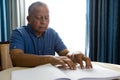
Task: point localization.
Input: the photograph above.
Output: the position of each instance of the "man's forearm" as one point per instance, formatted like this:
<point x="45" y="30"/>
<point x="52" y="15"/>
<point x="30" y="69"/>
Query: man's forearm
<point x="28" y="60"/>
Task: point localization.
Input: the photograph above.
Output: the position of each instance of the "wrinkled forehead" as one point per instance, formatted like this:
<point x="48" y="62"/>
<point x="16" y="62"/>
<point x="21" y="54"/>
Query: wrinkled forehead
<point x="39" y="10"/>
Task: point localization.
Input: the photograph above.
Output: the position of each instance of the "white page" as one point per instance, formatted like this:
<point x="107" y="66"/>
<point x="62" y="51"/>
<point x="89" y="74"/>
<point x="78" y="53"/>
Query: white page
<point x="49" y="72"/>
<point x="97" y="73"/>
<point x="44" y="72"/>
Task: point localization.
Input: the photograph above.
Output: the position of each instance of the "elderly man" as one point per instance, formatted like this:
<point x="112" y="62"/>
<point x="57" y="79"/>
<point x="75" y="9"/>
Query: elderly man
<point x="36" y="43"/>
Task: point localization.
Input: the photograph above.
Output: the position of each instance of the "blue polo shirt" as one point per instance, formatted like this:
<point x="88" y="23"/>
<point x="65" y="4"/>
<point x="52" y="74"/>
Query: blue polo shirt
<point x="24" y="38"/>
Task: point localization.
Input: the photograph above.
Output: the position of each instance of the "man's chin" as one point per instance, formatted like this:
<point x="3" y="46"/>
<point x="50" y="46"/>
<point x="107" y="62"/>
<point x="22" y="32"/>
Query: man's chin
<point x="41" y="29"/>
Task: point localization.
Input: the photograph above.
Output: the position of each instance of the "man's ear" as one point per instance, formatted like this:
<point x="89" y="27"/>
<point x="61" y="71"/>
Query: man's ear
<point x="28" y="19"/>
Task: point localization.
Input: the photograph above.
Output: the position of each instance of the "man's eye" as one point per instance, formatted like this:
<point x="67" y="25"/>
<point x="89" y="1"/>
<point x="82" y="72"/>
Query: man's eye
<point x="38" y="18"/>
<point x="41" y="18"/>
<point x="46" y="17"/>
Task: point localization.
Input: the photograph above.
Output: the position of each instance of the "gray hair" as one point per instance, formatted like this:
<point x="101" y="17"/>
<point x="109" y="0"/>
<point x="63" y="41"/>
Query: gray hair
<point x="33" y="5"/>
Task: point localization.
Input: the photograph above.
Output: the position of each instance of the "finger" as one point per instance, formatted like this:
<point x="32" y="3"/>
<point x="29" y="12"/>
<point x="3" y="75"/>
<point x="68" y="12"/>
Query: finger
<point x="70" y="64"/>
<point x="63" y="64"/>
<point x="73" y="59"/>
<point x="88" y="66"/>
<point x="87" y="62"/>
<point x="81" y="64"/>
<point x="79" y="60"/>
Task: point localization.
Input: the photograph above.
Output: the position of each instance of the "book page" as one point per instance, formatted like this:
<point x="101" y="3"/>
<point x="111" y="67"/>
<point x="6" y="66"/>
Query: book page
<point x="44" y="72"/>
<point x="49" y="72"/>
<point x="97" y="73"/>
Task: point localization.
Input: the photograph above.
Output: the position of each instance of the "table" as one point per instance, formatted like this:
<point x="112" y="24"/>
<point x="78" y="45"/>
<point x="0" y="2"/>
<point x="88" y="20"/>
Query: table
<point x="6" y="74"/>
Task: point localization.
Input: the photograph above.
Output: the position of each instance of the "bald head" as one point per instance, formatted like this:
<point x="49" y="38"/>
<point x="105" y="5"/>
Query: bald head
<point x="32" y="7"/>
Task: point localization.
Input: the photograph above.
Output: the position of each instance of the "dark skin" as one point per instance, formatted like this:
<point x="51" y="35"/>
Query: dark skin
<point x="39" y="20"/>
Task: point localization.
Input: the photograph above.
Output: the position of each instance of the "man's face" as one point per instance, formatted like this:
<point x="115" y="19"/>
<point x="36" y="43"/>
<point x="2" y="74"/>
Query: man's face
<point x="39" y="20"/>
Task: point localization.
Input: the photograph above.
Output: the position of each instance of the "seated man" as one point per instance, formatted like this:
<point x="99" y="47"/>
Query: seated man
<point x="36" y="44"/>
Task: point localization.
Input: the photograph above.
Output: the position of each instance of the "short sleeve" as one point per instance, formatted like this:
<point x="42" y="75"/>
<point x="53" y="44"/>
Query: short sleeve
<point x="59" y="44"/>
<point x="16" y="40"/>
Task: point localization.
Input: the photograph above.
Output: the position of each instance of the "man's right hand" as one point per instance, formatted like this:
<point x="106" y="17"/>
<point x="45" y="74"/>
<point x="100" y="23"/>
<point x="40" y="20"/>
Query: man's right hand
<point x="64" y="61"/>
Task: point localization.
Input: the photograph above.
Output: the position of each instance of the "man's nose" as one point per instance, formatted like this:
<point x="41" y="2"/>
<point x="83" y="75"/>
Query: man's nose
<point x="43" y="20"/>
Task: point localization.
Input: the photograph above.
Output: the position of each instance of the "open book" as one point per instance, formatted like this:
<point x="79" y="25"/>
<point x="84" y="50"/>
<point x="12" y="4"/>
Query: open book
<point x="49" y="72"/>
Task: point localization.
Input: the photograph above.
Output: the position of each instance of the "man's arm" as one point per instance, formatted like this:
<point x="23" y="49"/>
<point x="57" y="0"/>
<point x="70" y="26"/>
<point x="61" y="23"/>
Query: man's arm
<point x="19" y="58"/>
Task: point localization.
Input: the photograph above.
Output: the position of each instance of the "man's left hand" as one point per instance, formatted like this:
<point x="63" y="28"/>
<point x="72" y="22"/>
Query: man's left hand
<point x="79" y="57"/>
